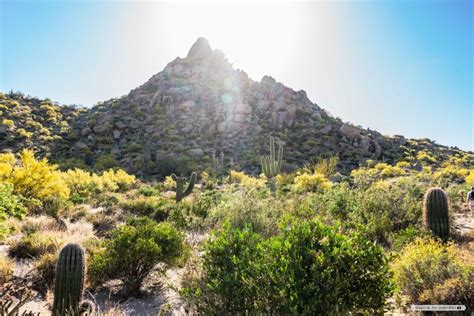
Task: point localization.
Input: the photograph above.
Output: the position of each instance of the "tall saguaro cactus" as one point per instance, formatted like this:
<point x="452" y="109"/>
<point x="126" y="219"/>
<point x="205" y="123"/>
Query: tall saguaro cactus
<point x="180" y="181"/>
<point x="271" y="165"/>
<point x="435" y="212"/>
<point x="70" y="275"/>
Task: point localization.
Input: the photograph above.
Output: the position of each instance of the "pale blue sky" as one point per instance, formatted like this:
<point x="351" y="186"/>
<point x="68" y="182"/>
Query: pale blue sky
<point x="399" y="67"/>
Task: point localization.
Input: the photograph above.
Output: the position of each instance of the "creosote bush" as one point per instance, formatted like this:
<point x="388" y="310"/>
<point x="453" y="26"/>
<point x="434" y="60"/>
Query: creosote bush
<point x="133" y="251"/>
<point x="310" y="268"/>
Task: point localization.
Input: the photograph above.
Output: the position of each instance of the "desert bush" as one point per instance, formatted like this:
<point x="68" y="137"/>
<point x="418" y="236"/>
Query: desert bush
<point x="133" y="251"/>
<point x="204" y="202"/>
<point x="314" y="182"/>
<point x="309" y="268"/>
<point x="106" y="162"/>
<point x="246" y="181"/>
<point x="6" y="268"/>
<point x="84" y="185"/>
<point x="80" y="183"/>
<point x="339" y="202"/>
<point x="140" y="205"/>
<point x="389" y="206"/>
<point x="148" y="191"/>
<point x="193" y="214"/>
<point x="120" y="180"/>
<point x="453" y="291"/>
<point x="32" y="178"/>
<point x="449" y="175"/>
<point x="10" y="206"/>
<point x="470" y="178"/>
<point x="424" y="265"/>
<point x="247" y="208"/>
<point x="405" y="236"/>
<point x="365" y="176"/>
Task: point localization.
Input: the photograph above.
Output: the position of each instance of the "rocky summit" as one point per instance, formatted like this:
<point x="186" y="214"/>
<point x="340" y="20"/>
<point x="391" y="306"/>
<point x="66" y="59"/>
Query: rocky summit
<point x="199" y="107"/>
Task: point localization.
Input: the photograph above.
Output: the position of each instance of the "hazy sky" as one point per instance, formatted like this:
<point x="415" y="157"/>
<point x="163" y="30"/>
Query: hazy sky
<point x="399" y="67"/>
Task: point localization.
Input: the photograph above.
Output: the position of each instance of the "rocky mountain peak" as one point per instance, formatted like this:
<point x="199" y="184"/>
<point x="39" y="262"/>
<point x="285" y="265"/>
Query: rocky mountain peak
<point x="199" y="106"/>
<point x="200" y="50"/>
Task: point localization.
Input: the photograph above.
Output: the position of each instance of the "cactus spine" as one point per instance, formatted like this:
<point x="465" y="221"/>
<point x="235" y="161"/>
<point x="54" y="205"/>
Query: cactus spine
<point x="180" y="192"/>
<point x="69" y="285"/>
<point x="435" y="212"/>
<point x="271" y="165"/>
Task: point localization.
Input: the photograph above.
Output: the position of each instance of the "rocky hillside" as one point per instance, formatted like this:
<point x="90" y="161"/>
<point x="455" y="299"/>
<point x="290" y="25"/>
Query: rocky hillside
<point x="28" y="122"/>
<point x="200" y="106"/>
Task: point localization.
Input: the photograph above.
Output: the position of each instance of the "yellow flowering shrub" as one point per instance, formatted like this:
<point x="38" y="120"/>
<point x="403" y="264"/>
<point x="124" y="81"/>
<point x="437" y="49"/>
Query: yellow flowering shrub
<point x="425" y="264"/>
<point x="23" y="133"/>
<point x="120" y="179"/>
<point x="245" y="180"/>
<point x="169" y="183"/>
<point x="470" y="178"/>
<point x="305" y="182"/>
<point x="8" y="123"/>
<point x="380" y="171"/>
<point x="32" y="178"/>
<point x="425" y="156"/>
<point x="450" y="174"/>
<point x="402" y="164"/>
<point x="79" y="182"/>
<point x="83" y="183"/>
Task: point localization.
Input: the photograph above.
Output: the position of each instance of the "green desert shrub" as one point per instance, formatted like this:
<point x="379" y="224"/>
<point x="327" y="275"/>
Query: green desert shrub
<point x="389" y="206"/>
<point x="10" y="206"/>
<point x="405" y="236"/>
<point x="426" y="268"/>
<point x="247" y="208"/>
<point x="140" y="205"/>
<point x="133" y="251"/>
<point x="106" y="162"/>
<point x="308" y="269"/>
<point x="338" y="202"/>
<point x="204" y="202"/>
<point x="148" y="191"/>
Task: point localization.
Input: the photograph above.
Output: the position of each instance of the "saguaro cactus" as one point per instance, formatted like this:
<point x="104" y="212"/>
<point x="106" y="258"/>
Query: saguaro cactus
<point x="70" y="274"/>
<point x="435" y="212"/>
<point x="217" y="164"/>
<point x="271" y="165"/>
<point x="180" y="192"/>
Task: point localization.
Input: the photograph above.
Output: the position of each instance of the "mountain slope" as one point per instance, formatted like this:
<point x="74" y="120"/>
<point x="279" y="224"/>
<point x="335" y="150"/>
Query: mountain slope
<point x="199" y="106"/>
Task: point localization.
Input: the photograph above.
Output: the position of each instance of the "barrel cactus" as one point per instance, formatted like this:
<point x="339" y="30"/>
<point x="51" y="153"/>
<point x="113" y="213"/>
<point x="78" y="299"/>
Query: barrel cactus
<point x="271" y="165"/>
<point x="69" y="284"/>
<point x="435" y="212"/>
<point x="181" y="193"/>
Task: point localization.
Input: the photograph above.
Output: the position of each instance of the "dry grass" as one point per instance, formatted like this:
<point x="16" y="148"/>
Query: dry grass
<point x="35" y="224"/>
<point x="6" y="268"/>
<point x="43" y="237"/>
